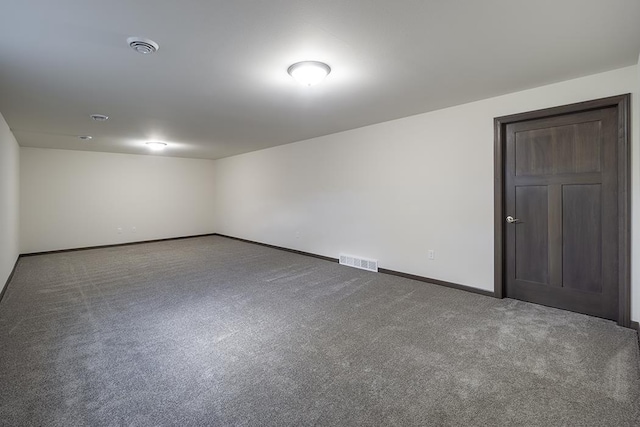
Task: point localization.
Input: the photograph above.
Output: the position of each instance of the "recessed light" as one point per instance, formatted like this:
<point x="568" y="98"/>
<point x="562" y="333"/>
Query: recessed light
<point x="309" y="73"/>
<point x="156" y="145"/>
<point x="85" y="137"/>
<point x="143" y="46"/>
<point x="99" y="117"/>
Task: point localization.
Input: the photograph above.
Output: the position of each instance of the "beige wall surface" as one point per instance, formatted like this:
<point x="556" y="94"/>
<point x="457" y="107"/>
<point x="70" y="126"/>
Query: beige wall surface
<point x="72" y="199"/>
<point x="9" y="201"/>
<point x="395" y="190"/>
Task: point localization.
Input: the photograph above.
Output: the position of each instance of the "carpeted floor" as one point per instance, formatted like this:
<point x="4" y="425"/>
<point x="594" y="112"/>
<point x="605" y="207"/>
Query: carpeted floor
<point x="211" y="331"/>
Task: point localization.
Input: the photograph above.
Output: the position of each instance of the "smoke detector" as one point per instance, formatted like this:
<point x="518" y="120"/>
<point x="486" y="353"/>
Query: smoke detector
<point x="143" y="46"/>
<point x="99" y="117"/>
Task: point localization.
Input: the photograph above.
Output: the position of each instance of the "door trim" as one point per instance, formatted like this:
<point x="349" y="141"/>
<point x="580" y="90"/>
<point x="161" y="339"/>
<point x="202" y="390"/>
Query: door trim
<point x="621" y="102"/>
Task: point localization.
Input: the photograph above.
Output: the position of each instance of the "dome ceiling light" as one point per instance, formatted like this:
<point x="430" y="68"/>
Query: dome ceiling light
<point x="156" y="145"/>
<point x="309" y="73"/>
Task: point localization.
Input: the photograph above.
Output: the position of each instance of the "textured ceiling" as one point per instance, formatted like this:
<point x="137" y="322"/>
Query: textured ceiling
<point x="218" y="85"/>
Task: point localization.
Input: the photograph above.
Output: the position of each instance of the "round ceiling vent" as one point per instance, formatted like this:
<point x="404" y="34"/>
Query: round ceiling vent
<point x="143" y="46"/>
<point x="99" y="117"/>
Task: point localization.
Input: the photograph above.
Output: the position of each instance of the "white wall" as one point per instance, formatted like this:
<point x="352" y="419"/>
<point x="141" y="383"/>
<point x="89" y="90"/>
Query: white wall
<point x="72" y="199"/>
<point x="9" y="201"/>
<point x="394" y="190"/>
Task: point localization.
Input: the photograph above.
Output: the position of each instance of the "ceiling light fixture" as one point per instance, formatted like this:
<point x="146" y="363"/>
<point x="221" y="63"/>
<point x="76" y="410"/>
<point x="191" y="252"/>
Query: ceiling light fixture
<point x="156" y="146"/>
<point x="85" y="137"/>
<point x="309" y="73"/>
<point x="99" y="117"/>
<point x="143" y="46"/>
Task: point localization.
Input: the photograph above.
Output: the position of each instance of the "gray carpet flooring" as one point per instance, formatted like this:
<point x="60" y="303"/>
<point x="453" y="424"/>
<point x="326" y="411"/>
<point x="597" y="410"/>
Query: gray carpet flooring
<point x="212" y="332"/>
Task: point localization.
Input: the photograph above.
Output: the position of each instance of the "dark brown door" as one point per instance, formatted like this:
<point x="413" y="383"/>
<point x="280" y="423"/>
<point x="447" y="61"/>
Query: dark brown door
<point x="561" y="205"/>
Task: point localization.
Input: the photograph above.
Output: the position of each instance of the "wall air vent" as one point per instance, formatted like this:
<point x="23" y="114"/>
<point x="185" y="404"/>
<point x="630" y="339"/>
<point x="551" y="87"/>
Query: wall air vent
<point x="358" y="262"/>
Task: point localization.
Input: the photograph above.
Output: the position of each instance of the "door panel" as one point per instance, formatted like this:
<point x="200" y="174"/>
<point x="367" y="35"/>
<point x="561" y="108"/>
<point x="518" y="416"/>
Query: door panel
<point x="534" y="152"/>
<point x="531" y="236"/>
<point x="559" y="149"/>
<point x="582" y="248"/>
<point x="560" y="181"/>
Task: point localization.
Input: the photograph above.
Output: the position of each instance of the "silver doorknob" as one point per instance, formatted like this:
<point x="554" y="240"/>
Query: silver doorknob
<point x="512" y="220"/>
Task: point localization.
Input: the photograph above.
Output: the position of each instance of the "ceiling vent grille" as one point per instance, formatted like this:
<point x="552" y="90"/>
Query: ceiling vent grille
<point x="358" y="262"/>
<point x="143" y="46"/>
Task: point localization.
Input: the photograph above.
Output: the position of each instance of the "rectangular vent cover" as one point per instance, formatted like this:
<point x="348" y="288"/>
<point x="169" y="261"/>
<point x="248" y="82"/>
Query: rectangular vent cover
<point x="357" y="262"/>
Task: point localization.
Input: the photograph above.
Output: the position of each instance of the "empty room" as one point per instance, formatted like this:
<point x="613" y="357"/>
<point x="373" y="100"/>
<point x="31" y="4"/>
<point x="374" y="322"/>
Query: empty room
<point x="319" y="213"/>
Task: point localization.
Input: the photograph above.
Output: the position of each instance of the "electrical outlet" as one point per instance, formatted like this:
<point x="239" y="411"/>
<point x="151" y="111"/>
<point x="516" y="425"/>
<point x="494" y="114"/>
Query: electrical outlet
<point x="133" y="229"/>
<point x="119" y="230"/>
<point x="431" y="254"/>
